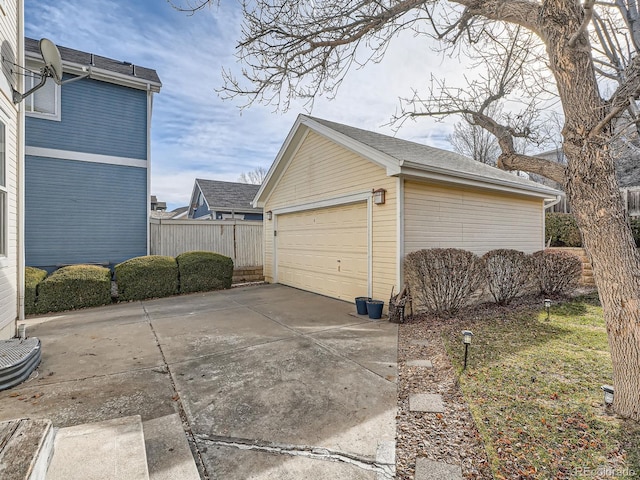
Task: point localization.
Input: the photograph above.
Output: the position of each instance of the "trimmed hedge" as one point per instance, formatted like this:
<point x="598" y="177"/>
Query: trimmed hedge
<point x="76" y="286"/>
<point x="204" y="271"/>
<point x="563" y="230"/>
<point x="151" y="276"/>
<point x="556" y="272"/>
<point x="442" y="279"/>
<point x="635" y="229"/>
<point x="32" y="278"/>
<point x="508" y="273"/>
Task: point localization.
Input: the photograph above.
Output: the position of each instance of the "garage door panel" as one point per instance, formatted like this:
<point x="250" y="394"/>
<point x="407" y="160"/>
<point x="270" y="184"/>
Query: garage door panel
<point x="325" y="250"/>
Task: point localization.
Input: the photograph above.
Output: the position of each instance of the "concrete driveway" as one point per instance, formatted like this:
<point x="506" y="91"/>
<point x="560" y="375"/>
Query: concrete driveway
<point x="271" y="382"/>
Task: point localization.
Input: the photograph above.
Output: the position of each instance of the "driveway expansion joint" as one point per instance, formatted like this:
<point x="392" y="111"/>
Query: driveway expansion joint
<point x="165" y="368"/>
<point x="384" y="470"/>
<point x="310" y="336"/>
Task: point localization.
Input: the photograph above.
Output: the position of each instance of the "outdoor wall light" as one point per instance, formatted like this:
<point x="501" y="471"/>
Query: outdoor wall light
<point x="269" y="215"/>
<point x="378" y="196"/>
<point x="608" y="394"/>
<point x="466" y="339"/>
<point x="547" y="306"/>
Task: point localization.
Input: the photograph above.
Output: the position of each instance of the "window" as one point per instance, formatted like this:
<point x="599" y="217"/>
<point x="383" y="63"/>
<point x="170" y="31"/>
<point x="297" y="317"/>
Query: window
<point x="44" y="102"/>
<point x="4" y="225"/>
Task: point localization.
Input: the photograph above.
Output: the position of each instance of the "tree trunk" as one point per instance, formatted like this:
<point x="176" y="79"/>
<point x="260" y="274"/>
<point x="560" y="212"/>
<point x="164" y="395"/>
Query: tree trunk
<point x="593" y="193"/>
<point x="595" y="201"/>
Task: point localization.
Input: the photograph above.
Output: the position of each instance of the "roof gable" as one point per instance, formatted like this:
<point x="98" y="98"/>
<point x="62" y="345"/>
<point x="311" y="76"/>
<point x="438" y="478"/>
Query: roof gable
<point x="399" y="156"/>
<point x="228" y="195"/>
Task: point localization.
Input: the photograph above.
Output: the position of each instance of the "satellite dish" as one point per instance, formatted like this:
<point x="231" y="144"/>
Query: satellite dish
<point x="52" y="68"/>
<point x="52" y="60"/>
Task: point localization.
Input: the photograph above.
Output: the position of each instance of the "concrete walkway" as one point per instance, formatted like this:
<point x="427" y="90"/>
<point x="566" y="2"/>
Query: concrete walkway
<point x="272" y="382"/>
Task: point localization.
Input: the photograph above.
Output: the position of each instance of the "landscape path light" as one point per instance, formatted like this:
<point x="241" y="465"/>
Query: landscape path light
<point x="466" y="339"/>
<point x="608" y="395"/>
<point x="547" y="306"/>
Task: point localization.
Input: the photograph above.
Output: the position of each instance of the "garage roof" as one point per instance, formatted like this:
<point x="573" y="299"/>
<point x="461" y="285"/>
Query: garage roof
<point x="401" y="157"/>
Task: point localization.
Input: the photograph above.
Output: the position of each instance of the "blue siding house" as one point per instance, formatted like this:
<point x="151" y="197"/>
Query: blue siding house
<point x="217" y="200"/>
<point x="87" y="161"/>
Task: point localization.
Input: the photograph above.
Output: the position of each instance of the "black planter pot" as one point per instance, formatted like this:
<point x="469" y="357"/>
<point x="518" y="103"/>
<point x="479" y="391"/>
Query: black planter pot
<point x="374" y="308"/>
<point x="361" y="305"/>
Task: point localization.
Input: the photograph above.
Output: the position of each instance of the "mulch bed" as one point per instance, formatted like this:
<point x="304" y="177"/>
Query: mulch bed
<point x="449" y="437"/>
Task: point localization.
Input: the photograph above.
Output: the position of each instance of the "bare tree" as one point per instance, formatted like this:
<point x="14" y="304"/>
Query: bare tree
<point x="255" y="176"/>
<point x="581" y="56"/>
<point x="474" y="142"/>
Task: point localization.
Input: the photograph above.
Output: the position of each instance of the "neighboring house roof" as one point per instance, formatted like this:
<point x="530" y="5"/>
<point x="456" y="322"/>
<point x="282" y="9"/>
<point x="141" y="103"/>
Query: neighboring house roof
<point x="102" y="68"/>
<point x="228" y="196"/>
<point x="401" y="157"/>
<point x="179" y="210"/>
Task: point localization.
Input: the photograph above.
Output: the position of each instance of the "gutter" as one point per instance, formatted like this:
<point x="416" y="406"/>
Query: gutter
<point x="551" y="203"/>
<point x="482" y="182"/>
<point x="103" y="75"/>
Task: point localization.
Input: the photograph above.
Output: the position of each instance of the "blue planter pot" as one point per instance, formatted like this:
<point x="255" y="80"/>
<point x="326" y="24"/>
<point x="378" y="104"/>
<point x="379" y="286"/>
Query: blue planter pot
<point x="361" y="305"/>
<point x="374" y="308"/>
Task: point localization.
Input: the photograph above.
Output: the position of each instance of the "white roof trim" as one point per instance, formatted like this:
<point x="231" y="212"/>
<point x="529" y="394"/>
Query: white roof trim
<point x="460" y="178"/>
<point x="102" y="74"/>
<point x="370" y="153"/>
<point x="392" y="165"/>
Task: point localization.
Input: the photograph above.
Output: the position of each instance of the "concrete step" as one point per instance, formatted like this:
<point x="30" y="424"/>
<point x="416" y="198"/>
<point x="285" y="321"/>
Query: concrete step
<point x="108" y="450"/>
<point x="25" y="448"/>
<point x="168" y="454"/>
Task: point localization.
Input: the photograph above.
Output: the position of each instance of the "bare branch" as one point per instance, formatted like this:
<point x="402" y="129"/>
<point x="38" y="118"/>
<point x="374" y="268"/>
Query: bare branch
<point x="588" y="14"/>
<point x="547" y="168"/>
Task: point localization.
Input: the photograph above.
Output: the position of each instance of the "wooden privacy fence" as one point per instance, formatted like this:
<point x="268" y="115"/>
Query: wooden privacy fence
<point x="239" y="239"/>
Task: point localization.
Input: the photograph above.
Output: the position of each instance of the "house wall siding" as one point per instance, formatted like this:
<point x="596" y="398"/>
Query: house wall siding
<point x="80" y="212"/>
<point x="437" y="216"/>
<point x="10" y="117"/>
<point x="97" y="117"/>
<point x="320" y="170"/>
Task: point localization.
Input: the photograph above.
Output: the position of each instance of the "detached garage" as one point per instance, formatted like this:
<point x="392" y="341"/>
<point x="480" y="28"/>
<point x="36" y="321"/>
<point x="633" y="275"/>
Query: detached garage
<point x="343" y="206"/>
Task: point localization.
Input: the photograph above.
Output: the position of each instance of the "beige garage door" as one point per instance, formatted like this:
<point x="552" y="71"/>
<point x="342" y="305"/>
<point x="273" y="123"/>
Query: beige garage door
<point x="324" y="251"/>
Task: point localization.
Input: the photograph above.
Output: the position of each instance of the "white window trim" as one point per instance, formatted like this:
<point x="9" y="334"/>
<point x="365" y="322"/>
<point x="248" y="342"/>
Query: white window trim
<point x="57" y="117"/>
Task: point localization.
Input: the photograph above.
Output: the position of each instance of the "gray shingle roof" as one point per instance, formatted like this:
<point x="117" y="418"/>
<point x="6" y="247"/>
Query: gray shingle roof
<point x="229" y="195"/>
<point x="179" y="210"/>
<point x="109" y="64"/>
<point x="424" y="157"/>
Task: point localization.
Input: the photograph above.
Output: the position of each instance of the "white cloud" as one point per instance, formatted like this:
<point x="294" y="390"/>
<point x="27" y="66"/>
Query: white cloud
<point x="195" y="133"/>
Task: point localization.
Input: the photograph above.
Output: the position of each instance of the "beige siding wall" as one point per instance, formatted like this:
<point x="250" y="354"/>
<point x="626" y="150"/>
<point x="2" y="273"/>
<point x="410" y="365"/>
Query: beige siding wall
<point x="320" y="170"/>
<point x="9" y="116"/>
<point x="439" y="216"/>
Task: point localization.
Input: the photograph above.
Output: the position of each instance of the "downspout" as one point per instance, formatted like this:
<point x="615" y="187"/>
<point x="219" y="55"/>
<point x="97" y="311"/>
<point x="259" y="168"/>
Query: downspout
<point x="552" y="202"/>
<point x="149" y="111"/>
<point x="21" y="166"/>
<point x="544" y="217"/>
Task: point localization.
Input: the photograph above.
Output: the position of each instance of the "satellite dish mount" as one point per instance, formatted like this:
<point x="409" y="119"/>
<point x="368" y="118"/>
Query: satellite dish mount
<point x="52" y="68"/>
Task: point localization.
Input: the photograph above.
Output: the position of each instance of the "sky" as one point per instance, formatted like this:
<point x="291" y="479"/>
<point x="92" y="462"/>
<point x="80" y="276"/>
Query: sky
<point x="197" y="134"/>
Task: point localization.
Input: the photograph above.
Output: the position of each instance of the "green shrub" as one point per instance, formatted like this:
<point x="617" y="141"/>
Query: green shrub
<point x="556" y="272"/>
<point x="76" y="286"/>
<point x="563" y="230"/>
<point x="442" y="279"/>
<point x="32" y="278"/>
<point x="508" y="273"/>
<point x="635" y="229"/>
<point x="151" y="276"/>
<point x="204" y="271"/>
